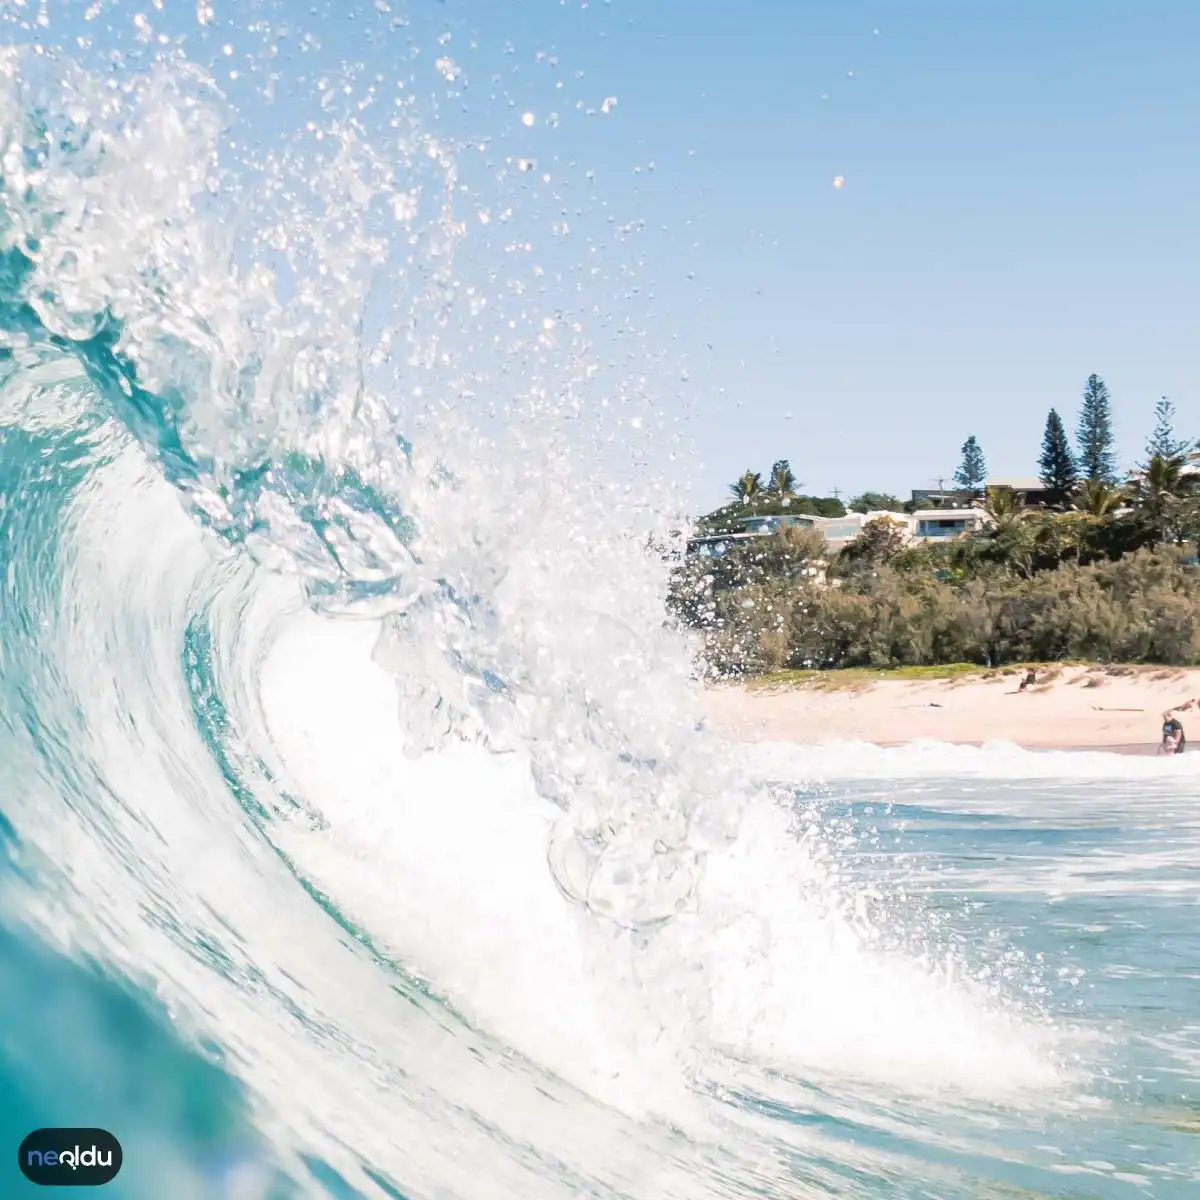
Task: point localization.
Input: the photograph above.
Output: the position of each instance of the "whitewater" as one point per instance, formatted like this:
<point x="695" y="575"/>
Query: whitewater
<point x="362" y="832"/>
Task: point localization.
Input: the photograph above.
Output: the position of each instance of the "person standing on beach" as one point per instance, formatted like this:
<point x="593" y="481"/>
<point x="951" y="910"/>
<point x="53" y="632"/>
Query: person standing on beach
<point x="1173" y="739"/>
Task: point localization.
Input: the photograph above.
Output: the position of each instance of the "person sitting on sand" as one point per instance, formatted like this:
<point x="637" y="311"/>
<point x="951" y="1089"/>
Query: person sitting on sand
<point x="1028" y="681"/>
<point x="1173" y="739"/>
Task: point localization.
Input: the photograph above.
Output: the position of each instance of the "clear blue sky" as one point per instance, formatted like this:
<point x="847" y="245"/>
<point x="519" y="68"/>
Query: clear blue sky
<point x="1021" y="197"/>
<point x="1020" y="209"/>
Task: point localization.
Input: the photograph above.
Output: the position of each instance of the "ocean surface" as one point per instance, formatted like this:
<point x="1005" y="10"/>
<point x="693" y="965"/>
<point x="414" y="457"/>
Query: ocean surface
<point x="361" y="835"/>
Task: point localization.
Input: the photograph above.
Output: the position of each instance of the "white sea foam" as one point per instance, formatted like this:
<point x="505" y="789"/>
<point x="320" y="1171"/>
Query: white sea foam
<point x="444" y="861"/>
<point x="932" y="759"/>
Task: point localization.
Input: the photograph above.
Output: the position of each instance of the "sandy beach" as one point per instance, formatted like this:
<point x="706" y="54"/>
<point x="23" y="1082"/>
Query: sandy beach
<point x="1117" y="709"/>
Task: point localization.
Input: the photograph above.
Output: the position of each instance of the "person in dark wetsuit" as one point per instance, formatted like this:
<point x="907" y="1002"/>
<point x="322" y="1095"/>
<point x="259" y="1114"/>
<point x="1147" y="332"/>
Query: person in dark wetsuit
<point x="1174" y="740"/>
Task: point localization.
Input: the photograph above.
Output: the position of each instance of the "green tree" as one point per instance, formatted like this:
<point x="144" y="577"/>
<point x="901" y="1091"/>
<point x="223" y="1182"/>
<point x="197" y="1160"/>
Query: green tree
<point x="782" y="483"/>
<point x="880" y="540"/>
<point x="831" y="506"/>
<point x="1012" y="536"/>
<point x="787" y="554"/>
<point x="875" y="502"/>
<point x="1097" y="461"/>
<point x="1056" y="466"/>
<point x="1187" y="519"/>
<point x="972" y="470"/>
<point x="1004" y="505"/>
<point x="1162" y="442"/>
<point x="1097" y="498"/>
<point x="821" y="506"/>
<point x="1156" y="493"/>
<point x="749" y="487"/>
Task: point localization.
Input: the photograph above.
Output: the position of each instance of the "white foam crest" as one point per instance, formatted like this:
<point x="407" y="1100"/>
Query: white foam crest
<point x="443" y="861"/>
<point x="540" y="625"/>
<point x="802" y="978"/>
<point x="796" y="763"/>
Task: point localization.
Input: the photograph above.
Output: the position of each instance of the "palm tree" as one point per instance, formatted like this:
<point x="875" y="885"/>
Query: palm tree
<point x="1012" y="538"/>
<point x="1157" y="489"/>
<point x="1097" y="498"/>
<point x="749" y="488"/>
<point x="1076" y="533"/>
<point x="1163" y="479"/>
<point x="1004" y="506"/>
<point x="783" y="482"/>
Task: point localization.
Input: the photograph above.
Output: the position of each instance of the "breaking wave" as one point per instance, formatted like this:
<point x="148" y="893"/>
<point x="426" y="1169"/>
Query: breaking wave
<point x="362" y="836"/>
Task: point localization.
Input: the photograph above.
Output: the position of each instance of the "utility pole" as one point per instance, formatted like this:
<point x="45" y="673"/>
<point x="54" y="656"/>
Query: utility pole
<point x="837" y="493"/>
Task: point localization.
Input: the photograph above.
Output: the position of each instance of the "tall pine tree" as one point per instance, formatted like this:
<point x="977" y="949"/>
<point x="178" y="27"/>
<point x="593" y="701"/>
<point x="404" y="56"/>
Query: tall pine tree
<point x="1097" y="460"/>
<point x="972" y="470"/>
<point x="1162" y="442"/>
<point x="1056" y="465"/>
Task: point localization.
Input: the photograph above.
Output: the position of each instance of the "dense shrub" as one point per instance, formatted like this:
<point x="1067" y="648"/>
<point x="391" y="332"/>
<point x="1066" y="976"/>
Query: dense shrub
<point x="922" y="609"/>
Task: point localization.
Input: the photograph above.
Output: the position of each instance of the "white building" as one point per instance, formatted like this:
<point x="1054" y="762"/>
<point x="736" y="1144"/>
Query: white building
<point x="924" y="525"/>
<point x="939" y="524"/>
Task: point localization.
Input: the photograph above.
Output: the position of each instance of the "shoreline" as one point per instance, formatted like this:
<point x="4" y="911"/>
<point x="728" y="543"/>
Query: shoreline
<point x="1081" y="708"/>
<point x="1129" y="749"/>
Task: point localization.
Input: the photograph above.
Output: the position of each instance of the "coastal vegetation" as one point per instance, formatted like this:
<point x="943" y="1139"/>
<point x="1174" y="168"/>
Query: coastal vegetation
<point x="1105" y="571"/>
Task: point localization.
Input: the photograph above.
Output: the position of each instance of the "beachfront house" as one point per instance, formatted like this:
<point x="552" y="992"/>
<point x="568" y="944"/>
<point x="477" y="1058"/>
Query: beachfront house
<point x="940" y="524"/>
<point x="740" y="528"/>
<point x="839" y="532"/>
<point x="764" y="526"/>
<point x="1034" y="492"/>
<point x="935" y="523"/>
<point x="923" y="525"/>
<point x="922" y="498"/>
<point x="717" y="545"/>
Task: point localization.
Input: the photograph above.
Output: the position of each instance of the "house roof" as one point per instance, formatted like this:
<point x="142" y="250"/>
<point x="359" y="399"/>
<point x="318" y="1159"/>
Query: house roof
<point x="1017" y="483"/>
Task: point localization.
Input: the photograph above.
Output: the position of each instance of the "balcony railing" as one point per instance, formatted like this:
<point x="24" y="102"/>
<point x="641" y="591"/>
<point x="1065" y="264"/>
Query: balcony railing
<point x="942" y="531"/>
